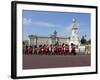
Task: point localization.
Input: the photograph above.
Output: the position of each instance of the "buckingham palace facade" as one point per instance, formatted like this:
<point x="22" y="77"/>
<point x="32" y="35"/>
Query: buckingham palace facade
<point x="47" y="40"/>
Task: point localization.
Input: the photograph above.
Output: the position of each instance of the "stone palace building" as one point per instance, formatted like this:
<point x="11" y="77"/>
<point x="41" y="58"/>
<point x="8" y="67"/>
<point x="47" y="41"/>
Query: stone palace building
<point x="48" y="40"/>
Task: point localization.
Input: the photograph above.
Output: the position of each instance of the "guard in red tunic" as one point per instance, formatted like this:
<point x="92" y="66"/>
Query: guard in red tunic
<point x="30" y="50"/>
<point x="73" y="51"/>
<point x="26" y="50"/>
<point x="42" y="50"/>
<point x="59" y="51"/>
<point x="47" y="50"/>
<point x="66" y="49"/>
<point x="55" y="50"/>
<point x="62" y="50"/>
<point x="35" y="49"/>
<point x="39" y="49"/>
<point x="52" y="50"/>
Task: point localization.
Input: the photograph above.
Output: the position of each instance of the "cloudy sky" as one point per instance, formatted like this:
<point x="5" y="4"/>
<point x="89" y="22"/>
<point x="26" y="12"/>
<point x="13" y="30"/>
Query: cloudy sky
<point x="44" y="23"/>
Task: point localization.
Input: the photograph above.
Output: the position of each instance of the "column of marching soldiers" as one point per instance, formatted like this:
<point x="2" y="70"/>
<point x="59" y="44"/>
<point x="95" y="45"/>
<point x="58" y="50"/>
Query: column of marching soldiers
<point x="63" y="49"/>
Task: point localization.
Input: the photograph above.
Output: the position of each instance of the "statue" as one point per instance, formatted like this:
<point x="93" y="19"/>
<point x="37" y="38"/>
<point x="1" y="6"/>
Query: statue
<point x="74" y="36"/>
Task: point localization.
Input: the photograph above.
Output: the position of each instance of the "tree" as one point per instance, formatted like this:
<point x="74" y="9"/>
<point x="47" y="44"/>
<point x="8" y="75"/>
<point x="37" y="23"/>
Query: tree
<point x="83" y="40"/>
<point x="89" y="41"/>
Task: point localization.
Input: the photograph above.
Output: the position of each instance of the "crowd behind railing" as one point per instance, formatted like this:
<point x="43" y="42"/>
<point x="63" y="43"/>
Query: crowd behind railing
<point x="63" y="49"/>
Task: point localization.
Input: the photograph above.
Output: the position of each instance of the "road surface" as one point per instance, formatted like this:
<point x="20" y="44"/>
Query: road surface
<point x="55" y="61"/>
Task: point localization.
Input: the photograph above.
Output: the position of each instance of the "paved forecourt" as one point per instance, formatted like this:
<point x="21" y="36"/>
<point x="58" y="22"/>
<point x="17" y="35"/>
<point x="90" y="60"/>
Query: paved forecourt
<point x="53" y="61"/>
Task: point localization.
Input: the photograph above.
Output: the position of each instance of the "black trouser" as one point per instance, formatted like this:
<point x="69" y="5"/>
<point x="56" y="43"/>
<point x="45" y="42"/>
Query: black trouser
<point x="73" y="52"/>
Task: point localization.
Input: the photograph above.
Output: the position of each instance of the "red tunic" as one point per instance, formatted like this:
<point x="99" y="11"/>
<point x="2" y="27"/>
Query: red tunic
<point x="30" y="50"/>
<point x="46" y="49"/>
<point x="67" y="49"/>
<point x="55" y="50"/>
<point x="26" y="50"/>
<point x="63" y="49"/>
<point x="59" y="49"/>
<point x="72" y="49"/>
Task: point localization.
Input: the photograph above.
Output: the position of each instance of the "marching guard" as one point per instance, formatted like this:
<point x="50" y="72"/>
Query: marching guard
<point x="73" y="47"/>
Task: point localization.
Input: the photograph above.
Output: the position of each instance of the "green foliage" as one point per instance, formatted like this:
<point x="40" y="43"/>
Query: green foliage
<point x="83" y="40"/>
<point x="89" y="41"/>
